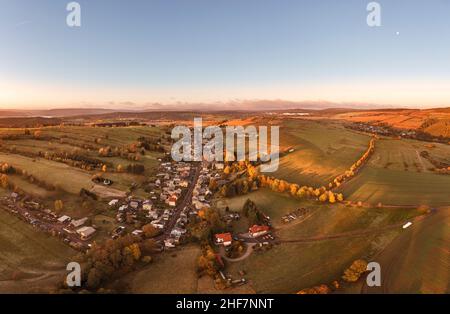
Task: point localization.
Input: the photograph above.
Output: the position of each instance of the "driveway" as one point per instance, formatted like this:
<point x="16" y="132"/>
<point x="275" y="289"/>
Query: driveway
<point x="247" y="253"/>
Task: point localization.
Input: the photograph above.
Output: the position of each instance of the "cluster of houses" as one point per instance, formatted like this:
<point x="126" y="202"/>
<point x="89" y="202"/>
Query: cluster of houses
<point x="171" y="180"/>
<point x="200" y="199"/>
<point x="30" y="211"/>
<point x="179" y="229"/>
<point x="368" y="128"/>
<point x="77" y="226"/>
<point x="166" y="190"/>
<point x="383" y="130"/>
<point x="255" y="231"/>
<point x="159" y="209"/>
<point x="201" y="194"/>
<point x="128" y="209"/>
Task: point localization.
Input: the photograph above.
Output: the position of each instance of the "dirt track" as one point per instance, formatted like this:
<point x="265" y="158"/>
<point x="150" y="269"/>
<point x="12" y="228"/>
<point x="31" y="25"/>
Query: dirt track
<point x="351" y="234"/>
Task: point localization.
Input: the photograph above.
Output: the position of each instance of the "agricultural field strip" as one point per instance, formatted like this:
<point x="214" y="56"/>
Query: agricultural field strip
<point x="349" y="234"/>
<point x="30" y="238"/>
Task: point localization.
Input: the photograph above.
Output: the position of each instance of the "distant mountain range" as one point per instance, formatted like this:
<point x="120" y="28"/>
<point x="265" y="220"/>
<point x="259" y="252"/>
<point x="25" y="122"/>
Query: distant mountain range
<point x="63" y="112"/>
<point x="247" y="105"/>
<point x="263" y="105"/>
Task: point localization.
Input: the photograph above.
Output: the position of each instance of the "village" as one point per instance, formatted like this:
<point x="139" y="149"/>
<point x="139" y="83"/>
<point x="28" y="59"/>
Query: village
<point x="178" y="192"/>
<point x="166" y="209"/>
<point x="382" y="129"/>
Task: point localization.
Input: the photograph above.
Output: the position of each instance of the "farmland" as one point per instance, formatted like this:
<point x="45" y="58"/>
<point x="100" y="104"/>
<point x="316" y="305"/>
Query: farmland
<point x="265" y="200"/>
<point x="50" y="155"/>
<point x="309" y="263"/>
<point x="315" y="261"/>
<point x="172" y="272"/>
<point x="30" y="261"/>
<point x="422" y="256"/>
<point x="54" y="172"/>
<point x="397" y="175"/>
<point x="49" y="173"/>
<point x="317" y="159"/>
<point x="55" y="163"/>
<point x="388" y="190"/>
<point x="169" y="273"/>
<point x="432" y="121"/>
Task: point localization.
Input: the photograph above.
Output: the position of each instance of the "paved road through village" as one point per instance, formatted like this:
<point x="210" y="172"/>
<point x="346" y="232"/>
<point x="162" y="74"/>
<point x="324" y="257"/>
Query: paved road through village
<point x="181" y="205"/>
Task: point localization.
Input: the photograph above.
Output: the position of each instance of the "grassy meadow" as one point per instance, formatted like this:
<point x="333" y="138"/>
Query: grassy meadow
<point x="396" y="174"/>
<point x="291" y="266"/>
<point x="322" y="151"/>
<point x="23" y="153"/>
<point x="171" y="272"/>
<point x="418" y="261"/>
<point x="30" y="261"/>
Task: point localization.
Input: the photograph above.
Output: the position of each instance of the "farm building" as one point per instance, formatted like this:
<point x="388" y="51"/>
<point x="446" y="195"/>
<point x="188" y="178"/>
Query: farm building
<point x="223" y="238"/>
<point x="64" y="219"/>
<point x="86" y="232"/>
<point x="257" y="231"/>
<point x="79" y="222"/>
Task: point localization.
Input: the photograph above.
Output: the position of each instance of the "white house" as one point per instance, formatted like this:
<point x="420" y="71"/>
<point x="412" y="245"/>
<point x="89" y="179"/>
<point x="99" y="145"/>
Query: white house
<point x="86" y="232"/>
<point x="137" y="232"/>
<point x="176" y="232"/>
<point x="169" y="243"/>
<point x="79" y="222"/>
<point x="64" y="219"/>
<point x="157" y="224"/>
<point x="113" y="202"/>
<point x="152" y="214"/>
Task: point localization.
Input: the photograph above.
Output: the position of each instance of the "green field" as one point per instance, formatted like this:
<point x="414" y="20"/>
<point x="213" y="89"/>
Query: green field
<point x="62" y="176"/>
<point x="288" y="268"/>
<point x="273" y="204"/>
<point x="312" y="250"/>
<point x="109" y="136"/>
<point x="87" y="141"/>
<point x="30" y="188"/>
<point x="171" y="272"/>
<point x="24" y="147"/>
<point x="68" y="178"/>
<point x="22" y="153"/>
<point x="418" y="261"/>
<point x="292" y="266"/>
<point x="396" y="174"/>
<point x="323" y="150"/>
<point x="29" y="261"/>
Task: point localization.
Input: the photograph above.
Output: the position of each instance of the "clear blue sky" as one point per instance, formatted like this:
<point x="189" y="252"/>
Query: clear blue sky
<point x="207" y="50"/>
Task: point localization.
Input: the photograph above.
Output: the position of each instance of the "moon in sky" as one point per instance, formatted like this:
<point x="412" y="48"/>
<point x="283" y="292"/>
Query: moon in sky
<point x="397" y="33"/>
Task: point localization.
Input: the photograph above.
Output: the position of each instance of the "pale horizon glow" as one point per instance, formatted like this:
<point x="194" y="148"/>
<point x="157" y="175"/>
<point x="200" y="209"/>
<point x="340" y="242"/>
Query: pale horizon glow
<point x="413" y="94"/>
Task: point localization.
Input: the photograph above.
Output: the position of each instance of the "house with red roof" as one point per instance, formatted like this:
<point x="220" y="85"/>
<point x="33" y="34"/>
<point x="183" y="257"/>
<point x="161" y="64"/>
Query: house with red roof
<point x="172" y="201"/>
<point x="257" y="231"/>
<point x="223" y="239"/>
